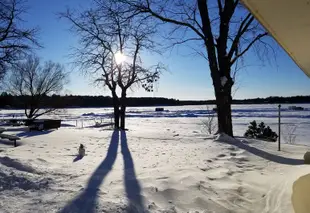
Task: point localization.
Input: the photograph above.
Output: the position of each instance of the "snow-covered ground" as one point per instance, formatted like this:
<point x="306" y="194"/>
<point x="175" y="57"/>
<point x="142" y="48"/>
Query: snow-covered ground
<point x="165" y="162"/>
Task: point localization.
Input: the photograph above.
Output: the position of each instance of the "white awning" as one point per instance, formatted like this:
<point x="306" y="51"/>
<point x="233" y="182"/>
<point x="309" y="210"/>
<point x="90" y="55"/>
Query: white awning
<point x="288" y="21"/>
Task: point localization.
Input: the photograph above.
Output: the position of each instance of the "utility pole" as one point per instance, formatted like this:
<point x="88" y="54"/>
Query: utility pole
<point x="279" y="131"/>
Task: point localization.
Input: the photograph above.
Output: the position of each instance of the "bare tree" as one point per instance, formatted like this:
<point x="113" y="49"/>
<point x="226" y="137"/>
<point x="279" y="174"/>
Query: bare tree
<point x="34" y="82"/>
<point x="15" y="41"/>
<point x="209" y="124"/>
<point x="98" y="47"/>
<point x="110" y="50"/>
<point x="132" y="71"/>
<point x="290" y="133"/>
<point x="221" y="31"/>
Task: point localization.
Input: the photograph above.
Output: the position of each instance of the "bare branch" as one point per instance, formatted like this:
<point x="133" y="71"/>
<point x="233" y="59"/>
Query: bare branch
<point x="242" y="29"/>
<point x="220" y="6"/>
<point x="15" y="41"/>
<point x="258" y="37"/>
<point x="147" y="9"/>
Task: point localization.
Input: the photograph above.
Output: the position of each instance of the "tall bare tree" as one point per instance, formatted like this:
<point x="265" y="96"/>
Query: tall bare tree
<point x="34" y="82"/>
<point x="15" y="41"/>
<point x="110" y="50"/>
<point x="131" y="70"/>
<point x="221" y="31"/>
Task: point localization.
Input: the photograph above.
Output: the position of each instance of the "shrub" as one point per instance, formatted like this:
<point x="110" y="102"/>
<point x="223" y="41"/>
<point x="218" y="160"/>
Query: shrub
<point x="260" y="131"/>
<point x="209" y="124"/>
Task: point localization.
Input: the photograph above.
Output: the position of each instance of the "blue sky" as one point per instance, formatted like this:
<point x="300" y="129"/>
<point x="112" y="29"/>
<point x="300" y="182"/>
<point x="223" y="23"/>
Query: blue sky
<point x="187" y="78"/>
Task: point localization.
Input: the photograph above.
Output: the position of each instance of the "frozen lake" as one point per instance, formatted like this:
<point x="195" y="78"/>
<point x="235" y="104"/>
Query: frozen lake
<point x="242" y="115"/>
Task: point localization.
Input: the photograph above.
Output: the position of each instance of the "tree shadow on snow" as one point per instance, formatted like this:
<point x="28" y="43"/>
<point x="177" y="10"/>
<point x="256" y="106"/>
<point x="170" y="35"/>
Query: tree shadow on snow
<point x="86" y="201"/>
<point x="268" y="156"/>
<point x="13" y="163"/>
<point x="67" y="125"/>
<point x="27" y="134"/>
<point x="132" y="186"/>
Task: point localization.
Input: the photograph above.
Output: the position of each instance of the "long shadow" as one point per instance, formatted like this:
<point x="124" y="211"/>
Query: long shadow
<point x="86" y="201"/>
<point x="67" y="125"/>
<point x="27" y="134"/>
<point x="10" y="162"/>
<point x="132" y="186"/>
<point x="268" y="156"/>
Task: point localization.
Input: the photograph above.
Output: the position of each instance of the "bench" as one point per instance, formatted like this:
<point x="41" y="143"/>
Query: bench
<point x="10" y="137"/>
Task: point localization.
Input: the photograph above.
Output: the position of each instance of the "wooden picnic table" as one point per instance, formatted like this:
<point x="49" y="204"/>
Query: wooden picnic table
<point x="45" y="124"/>
<point x="10" y="137"/>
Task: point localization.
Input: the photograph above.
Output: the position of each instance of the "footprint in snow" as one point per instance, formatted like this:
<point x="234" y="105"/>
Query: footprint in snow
<point x="221" y="155"/>
<point x="42" y="160"/>
<point x="232" y="148"/>
<point x="230" y="173"/>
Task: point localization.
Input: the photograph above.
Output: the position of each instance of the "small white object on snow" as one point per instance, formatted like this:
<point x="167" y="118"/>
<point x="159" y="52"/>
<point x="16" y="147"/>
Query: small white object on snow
<point x="82" y="150"/>
<point x="223" y="81"/>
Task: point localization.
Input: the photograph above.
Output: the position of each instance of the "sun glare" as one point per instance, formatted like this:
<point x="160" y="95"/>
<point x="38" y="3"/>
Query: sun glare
<point x="119" y="58"/>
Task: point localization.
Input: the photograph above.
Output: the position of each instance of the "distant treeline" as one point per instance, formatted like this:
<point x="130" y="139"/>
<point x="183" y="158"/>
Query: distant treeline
<point x="9" y="101"/>
<point x="70" y="101"/>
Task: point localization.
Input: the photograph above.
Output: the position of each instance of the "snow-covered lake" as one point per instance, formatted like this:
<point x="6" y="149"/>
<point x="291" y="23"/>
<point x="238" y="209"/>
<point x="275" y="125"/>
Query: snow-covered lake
<point x="242" y="115"/>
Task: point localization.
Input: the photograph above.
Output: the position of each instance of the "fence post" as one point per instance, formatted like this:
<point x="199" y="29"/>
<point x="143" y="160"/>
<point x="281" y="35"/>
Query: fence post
<point x="279" y="131"/>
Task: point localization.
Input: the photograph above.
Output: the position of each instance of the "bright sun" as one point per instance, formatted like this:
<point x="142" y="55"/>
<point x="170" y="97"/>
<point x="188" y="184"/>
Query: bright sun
<point x="119" y="58"/>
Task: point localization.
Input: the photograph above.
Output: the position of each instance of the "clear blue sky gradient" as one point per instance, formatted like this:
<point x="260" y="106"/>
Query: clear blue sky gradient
<point x="187" y="78"/>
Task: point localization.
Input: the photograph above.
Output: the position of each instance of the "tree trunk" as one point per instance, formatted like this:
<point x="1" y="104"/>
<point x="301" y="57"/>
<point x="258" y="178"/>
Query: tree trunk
<point x="31" y="105"/>
<point x="123" y="109"/>
<point x="223" y="103"/>
<point x="116" y="110"/>
<point x="116" y="117"/>
<point x="30" y="114"/>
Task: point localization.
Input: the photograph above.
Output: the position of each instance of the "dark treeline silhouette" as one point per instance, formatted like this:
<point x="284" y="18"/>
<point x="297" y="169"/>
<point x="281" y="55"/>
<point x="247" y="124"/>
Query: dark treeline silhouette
<point x="10" y="101"/>
<point x="68" y="101"/>
<point x="268" y="100"/>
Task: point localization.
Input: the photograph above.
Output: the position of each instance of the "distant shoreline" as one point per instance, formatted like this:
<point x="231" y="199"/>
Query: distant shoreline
<point x="213" y="105"/>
